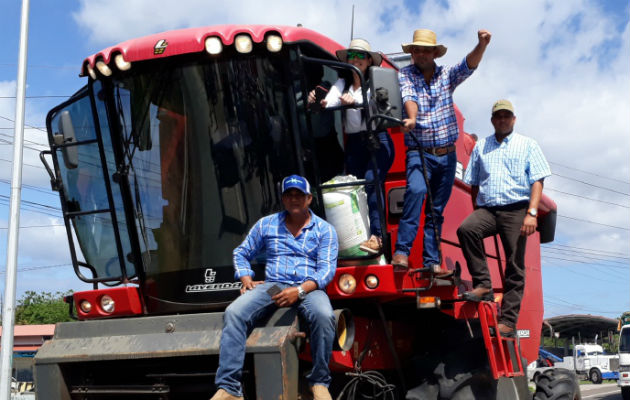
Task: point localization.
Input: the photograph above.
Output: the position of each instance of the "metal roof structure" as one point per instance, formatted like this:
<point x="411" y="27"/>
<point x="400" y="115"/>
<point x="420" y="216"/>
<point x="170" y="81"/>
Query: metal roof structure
<point x="582" y="325"/>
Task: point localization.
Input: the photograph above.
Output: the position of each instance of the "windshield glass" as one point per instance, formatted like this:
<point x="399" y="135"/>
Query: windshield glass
<point x="207" y="144"/>
<point x="624" y="340"/>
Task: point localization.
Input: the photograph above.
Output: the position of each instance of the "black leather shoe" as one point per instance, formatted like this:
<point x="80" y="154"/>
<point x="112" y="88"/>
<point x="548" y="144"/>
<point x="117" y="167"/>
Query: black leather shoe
<point x="476" y="296"/>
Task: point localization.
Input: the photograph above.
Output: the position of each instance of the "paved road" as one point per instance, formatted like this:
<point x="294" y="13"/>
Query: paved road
<point x="605" y="391"/>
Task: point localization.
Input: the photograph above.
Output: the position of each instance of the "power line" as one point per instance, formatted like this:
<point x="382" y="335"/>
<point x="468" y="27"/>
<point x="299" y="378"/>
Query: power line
<point x="583" y="308"/>
<point x="589" y="252"/>
<point x="590" y="173"/>
<point x="584" y="248"/>
<point x="37" y="226"/>
<point x="591" y="257"/>
<point x="580" y="262"/>
<point x="35" y="97"/>
<point x="11" y="128"/>
<point x="33" y="268"/>
<point x="590" y="184"/>
<point x="30" y="126"/>
<point x="40" y="189"/>
<point x="26" y="140"/>
<point x="580" y="272"/>
<point x="593" y="222"/>
<point x="610" y="258"/>
<point x="44" y="66"/>
<point x="587" y="198"/>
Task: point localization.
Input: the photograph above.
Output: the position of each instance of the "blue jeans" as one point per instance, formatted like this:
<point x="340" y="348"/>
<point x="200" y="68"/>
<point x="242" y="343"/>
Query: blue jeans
<point x="441" y="174"/>
<point x="241" y="317"/>
<point x="359" y="164"/>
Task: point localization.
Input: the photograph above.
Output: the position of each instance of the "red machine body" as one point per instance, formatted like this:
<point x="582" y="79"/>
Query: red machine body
<point x="152" y="279"/>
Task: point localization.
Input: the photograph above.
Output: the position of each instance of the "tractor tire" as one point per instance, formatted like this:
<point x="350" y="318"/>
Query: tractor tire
<point x="595" y="376"/>
<point x="625" y="393"/>
<point x="557" y="384"/>
<point x="465" y="375"/>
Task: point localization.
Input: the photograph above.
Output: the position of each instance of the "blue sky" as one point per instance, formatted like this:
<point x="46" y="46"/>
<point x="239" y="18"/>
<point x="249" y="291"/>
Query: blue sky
<point x="565" y="66"/>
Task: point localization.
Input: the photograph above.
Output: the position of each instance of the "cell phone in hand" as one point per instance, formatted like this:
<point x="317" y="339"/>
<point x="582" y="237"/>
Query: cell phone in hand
<point x="320" y="93"/>
<point x="274" y="290"/>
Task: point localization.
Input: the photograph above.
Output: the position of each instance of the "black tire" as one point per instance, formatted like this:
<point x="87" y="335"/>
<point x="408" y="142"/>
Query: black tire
<point x="625" y="393"/>
<point x="465" y="375"/>
<point x="535" y="376"/>
<point x="557" y="384"/>
<point x="595" y="376"/>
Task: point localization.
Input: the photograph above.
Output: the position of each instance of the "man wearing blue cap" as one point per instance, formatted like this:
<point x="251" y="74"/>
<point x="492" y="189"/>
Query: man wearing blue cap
<point x="301" y="251"/>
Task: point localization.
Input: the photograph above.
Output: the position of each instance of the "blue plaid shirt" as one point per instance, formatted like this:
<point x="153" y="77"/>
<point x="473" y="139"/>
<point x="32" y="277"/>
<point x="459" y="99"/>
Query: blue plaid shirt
<point x="505" y="171"/>
<point x="436" y="125"/>
<point x="312" y="255"/>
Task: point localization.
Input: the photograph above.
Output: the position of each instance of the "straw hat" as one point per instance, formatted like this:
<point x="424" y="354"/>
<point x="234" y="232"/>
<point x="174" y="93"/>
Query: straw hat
<point x="424" y="38"/>
<point x="360" y="45"/>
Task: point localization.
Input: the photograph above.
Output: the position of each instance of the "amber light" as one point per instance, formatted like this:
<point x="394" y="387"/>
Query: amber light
<point x="428" y="302"/>
<point x="371" y="281"/>
<point x="85" y="306"/>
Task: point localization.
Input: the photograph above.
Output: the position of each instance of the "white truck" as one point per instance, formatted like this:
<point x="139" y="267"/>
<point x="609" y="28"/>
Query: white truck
<point x="592" y="361"/>
<point x="624" y="361"/>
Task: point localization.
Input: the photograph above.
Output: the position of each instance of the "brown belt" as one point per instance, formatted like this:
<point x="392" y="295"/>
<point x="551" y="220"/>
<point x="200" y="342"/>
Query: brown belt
<point x="437" y="151"/>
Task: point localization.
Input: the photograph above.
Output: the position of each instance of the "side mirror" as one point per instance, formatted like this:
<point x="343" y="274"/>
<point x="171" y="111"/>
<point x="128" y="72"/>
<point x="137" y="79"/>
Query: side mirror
<point x="385" y="100"/>
<point x="66" y="128"/>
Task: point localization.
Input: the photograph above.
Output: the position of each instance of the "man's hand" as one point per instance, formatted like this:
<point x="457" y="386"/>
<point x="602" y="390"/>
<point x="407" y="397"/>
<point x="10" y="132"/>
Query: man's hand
<point x="287" y="297"/>
<point x="248" y="283"/>
<point x="346" y="99"/>
<point x="529" y="225"/>
<point x="409" y="124"/>
<point x="484" y="37"/>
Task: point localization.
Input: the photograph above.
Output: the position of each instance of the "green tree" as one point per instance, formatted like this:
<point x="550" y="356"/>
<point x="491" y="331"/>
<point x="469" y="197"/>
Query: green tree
<point x="41" y="308"/>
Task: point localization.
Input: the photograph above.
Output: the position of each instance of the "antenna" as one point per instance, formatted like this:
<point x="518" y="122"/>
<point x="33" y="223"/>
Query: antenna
<point x="352" y="25"/>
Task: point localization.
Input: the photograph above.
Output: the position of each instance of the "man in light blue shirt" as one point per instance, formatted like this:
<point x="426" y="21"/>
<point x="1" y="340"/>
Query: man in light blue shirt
<point x="506" y="173"/>
<point x="301" y="252"/>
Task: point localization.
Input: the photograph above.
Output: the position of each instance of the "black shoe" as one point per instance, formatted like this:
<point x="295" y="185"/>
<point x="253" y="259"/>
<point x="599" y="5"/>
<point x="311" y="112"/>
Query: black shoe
<point x="506" y="334"/>
<point x="470" y="296"/>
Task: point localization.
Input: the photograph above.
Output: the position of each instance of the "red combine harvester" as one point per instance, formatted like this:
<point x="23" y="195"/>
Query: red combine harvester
<point x="166" y="158"/>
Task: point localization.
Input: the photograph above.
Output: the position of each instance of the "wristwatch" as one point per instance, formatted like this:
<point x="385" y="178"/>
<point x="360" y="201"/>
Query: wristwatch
<point x="533" y="212"/>
<point x="301" y="293"/>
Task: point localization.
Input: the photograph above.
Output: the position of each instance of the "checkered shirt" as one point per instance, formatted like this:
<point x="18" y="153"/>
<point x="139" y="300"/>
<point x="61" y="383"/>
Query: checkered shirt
<point x="312" y="255"/>
<point x="505" y="171"/>
<point x="436" y="125"/>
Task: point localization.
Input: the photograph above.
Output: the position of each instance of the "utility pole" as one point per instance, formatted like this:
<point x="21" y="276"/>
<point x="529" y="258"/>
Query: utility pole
<point x="8" y="313"/>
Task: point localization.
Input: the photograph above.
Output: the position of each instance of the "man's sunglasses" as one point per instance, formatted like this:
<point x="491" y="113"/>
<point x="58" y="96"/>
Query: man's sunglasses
<point x="357" y="54"/>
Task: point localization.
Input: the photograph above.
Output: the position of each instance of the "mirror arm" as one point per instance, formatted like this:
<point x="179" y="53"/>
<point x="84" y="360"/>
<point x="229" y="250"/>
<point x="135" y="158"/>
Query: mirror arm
<point x="54" y="182"/>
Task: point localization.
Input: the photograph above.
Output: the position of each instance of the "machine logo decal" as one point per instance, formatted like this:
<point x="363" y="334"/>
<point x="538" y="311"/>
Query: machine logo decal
<point x="160" y="46"/>
<point x="210" y="285"/>
<point x="210" y="275"/>
<point x="523" y="333"/>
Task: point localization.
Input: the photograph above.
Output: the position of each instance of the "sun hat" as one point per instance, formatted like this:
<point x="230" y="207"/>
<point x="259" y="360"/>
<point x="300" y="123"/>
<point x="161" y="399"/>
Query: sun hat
<point x="360" y="45"/>
<point x="502" y="105"/>
<point x="296" y="182"/>
<point x="424" y="38"/>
